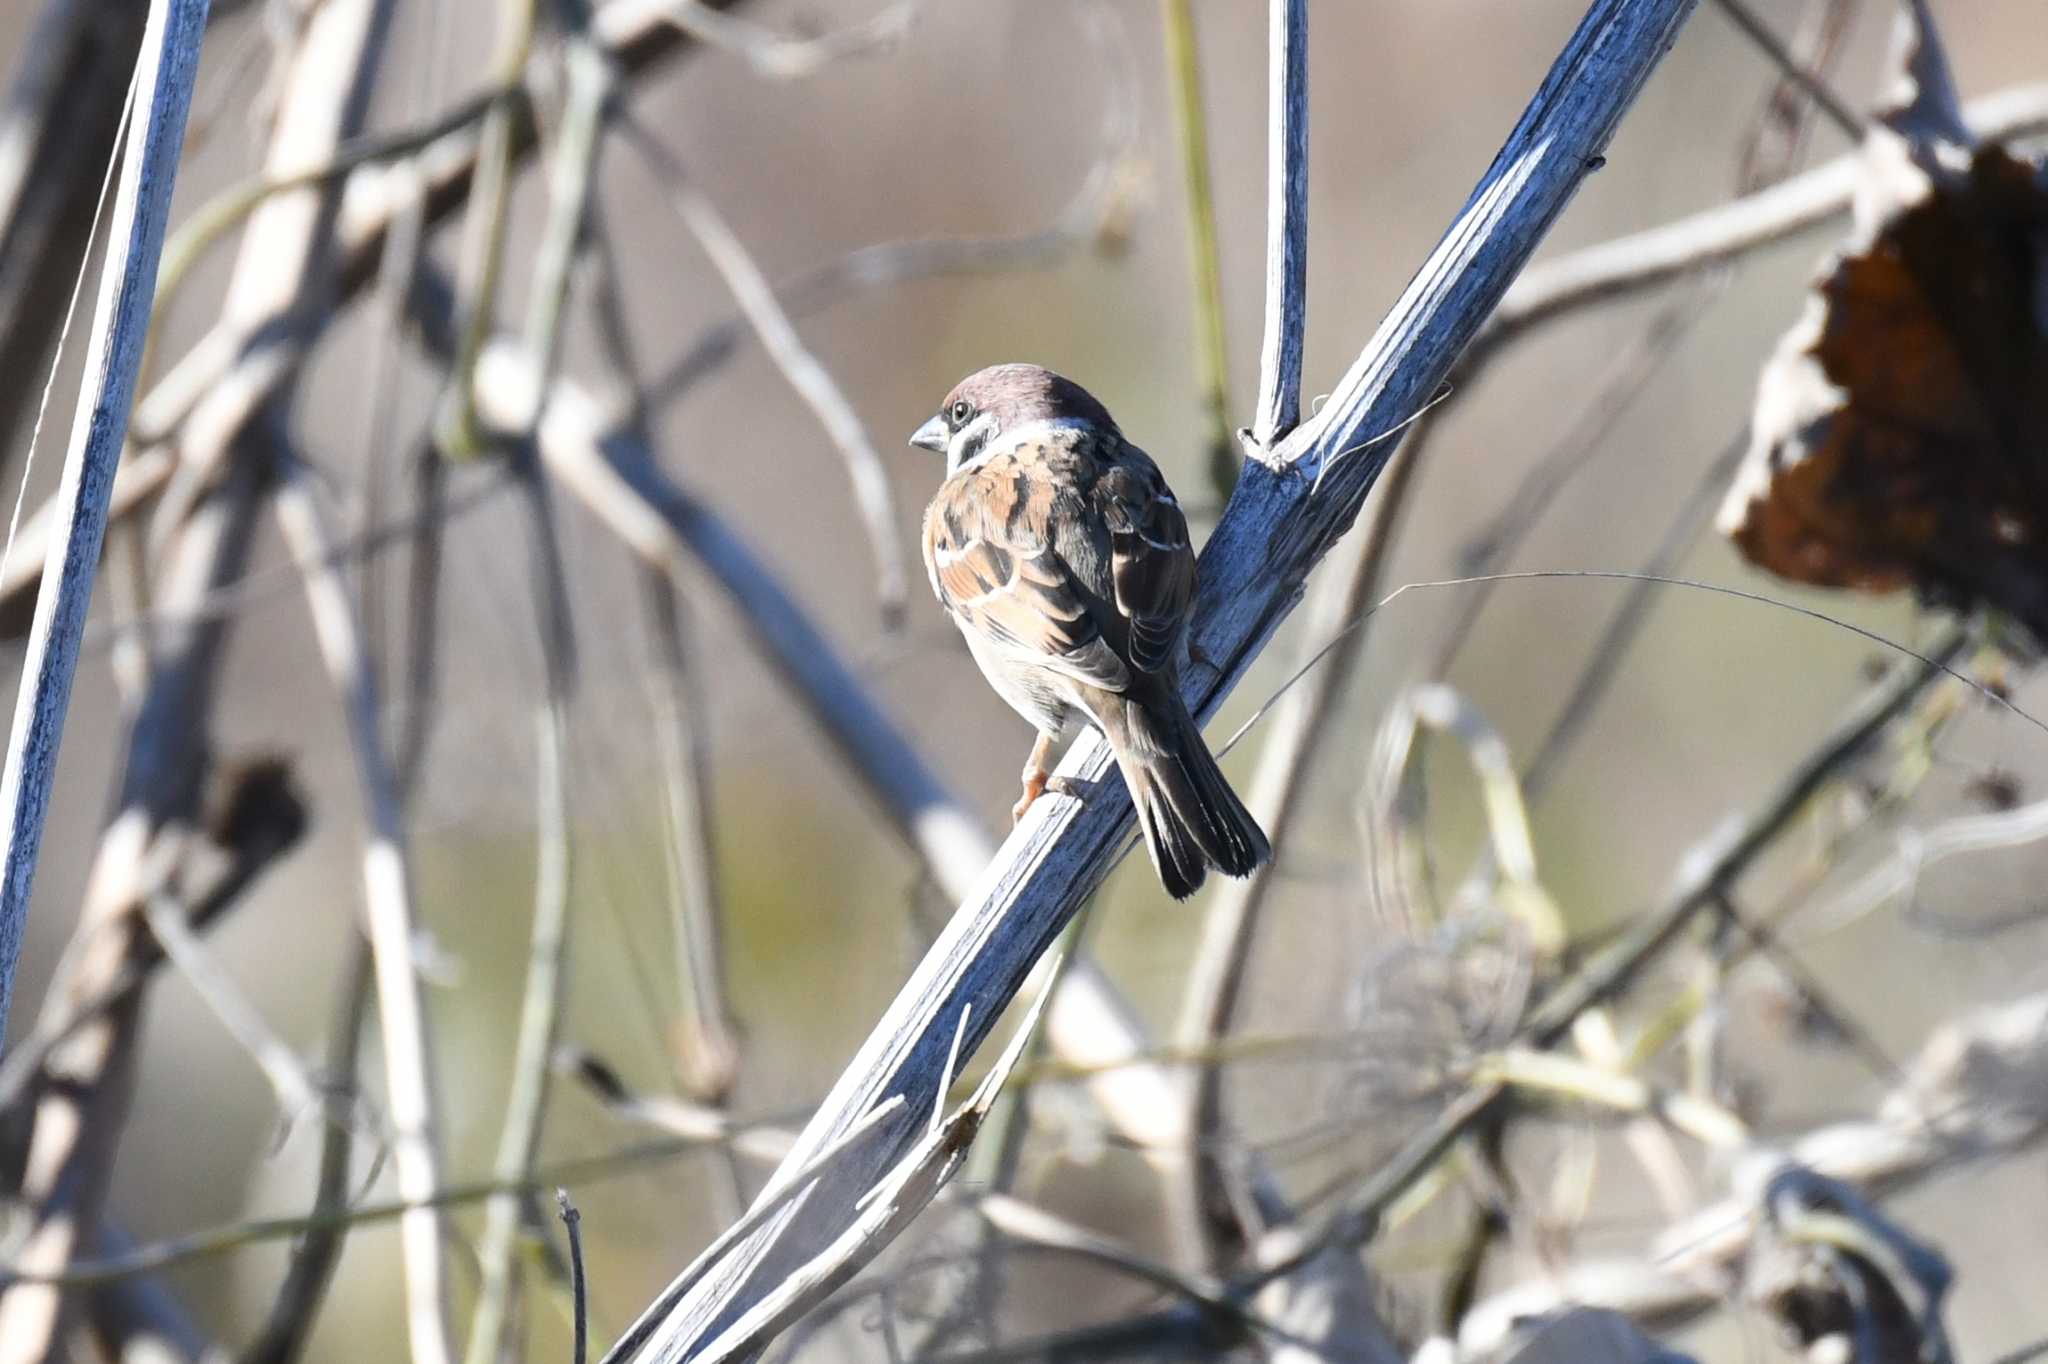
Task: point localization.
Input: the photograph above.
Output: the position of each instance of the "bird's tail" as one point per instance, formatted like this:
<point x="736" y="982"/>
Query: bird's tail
<point x="1191" y="818"/>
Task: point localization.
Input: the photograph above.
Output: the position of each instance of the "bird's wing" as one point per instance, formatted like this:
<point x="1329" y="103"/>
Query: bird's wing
<point x="1152" y="566"/>
<point x="989" y="548"/>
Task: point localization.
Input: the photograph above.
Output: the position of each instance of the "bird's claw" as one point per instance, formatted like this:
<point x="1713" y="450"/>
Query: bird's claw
<point x="1040" y="784"/>
<point x="1034" y="786"/>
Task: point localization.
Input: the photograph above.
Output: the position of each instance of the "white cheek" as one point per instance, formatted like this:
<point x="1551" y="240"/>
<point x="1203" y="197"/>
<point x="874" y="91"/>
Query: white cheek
<point x="972" y="443"/>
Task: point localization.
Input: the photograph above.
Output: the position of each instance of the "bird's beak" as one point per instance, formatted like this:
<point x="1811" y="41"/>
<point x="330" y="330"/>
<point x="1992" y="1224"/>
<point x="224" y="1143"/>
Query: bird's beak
<point x="931" y="436"/>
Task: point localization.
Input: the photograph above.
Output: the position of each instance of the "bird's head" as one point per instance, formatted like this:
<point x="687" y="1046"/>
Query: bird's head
<point x="996" y="407"/>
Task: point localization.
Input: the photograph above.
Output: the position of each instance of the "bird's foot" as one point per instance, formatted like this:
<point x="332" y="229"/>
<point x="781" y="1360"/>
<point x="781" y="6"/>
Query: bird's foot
<point x="1037" y="771"/>
<point x="1034" y="786"/>
<point x="1073" y="788"/>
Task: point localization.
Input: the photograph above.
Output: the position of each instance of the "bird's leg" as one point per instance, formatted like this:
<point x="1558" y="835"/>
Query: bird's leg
<point x="1036" y="773"/>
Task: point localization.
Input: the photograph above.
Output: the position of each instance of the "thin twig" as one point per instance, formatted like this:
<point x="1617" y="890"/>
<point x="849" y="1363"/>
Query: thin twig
<point x="706" y="1040"/>
<point x="884" y="264"/>
<point x="402" y="246"/>
<point x="140" y="1318"/>
<point x="484" y="226"/>
<point x="872" y="492"/>
<point x="572" y="1222"/>
<point x="572" y="179"/>
<point x="1603" y="662"/>
<point x="60" y="122"/>
<point x="539" y="1015"/>
<point x="221" y="1240"/>
<point x="1771" y="149"/>
<point x="1642" y="260"/>
<point x="1525" y="505"/>
<point x="297" y="1305"/>
<point x="1279" y="402"/>
<point x="1230" y="928"/>
<point x="1024" y="1223"/>
<point x="276" y="821"/>
<point x="142" y="204"/>
<point x="388" y="904"/>
<point x="679" y="1117"/>
<point x="769" y="52"/>
<point x="1793" y="70"/>
<point x="293" y="1088"/>
<point x="1205" y="268"/>
<point x="212" y="221"/>
<point x="434" y="511"/>
<point x="541" y="1002"/>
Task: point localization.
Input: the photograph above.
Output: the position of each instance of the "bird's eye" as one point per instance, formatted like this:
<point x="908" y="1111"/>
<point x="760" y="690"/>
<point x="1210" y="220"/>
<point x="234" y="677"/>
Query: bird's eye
<point x="960" y="413"/>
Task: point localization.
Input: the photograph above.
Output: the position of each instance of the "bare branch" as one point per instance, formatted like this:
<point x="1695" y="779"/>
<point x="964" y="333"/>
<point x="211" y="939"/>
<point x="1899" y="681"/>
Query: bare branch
<point x="706" y="1039"/>
<point x="142" y="204"/>
<point x="806" y="374"/>
<point x="84" y="1081"/>
<point x="572" y="1221"/>
<point x="1230" y="926"/>
<point x="1974" y="1091"/>
<point x="679" y="1117"/>
<point x="139" y="1319"/>
<point x="297" y="1305"/>
<point x="294" y="1089"/>
<point x="59" y="128"/>
<point x="769" y="52"/>
<point x="547" y="957"/>
<point x="880" y="1214"/>
<point x="1081" y="220"/>
<point x="268" y="818"/>
<point x="1794" y="72"/>
<point x="486" y="219"/>
<point x="1643" y="260"/>
<point x="573" y="176"/>
<point x="222" y="1240"/>
<point x="1279" y="404"/>
<point x="1205" y="268"/>
<point x="387" y="896"/>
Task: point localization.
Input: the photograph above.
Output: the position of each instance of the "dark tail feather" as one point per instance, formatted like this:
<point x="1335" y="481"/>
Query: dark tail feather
<point x="1190" y="817"/>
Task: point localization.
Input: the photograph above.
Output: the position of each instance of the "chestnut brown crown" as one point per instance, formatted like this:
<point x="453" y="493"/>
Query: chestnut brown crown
<point x="1005" y="398"/>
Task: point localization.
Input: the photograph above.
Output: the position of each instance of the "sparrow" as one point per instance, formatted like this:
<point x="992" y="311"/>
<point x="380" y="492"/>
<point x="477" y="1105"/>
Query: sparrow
<point x="1059" y="551"/>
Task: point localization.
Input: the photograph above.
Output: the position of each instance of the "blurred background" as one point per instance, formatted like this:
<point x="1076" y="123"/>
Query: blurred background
<point x="1004" y="119"/>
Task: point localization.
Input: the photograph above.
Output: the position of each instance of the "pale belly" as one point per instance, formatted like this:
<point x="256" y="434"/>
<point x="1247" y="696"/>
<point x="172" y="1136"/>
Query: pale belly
<point x="1035" y="692"/>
